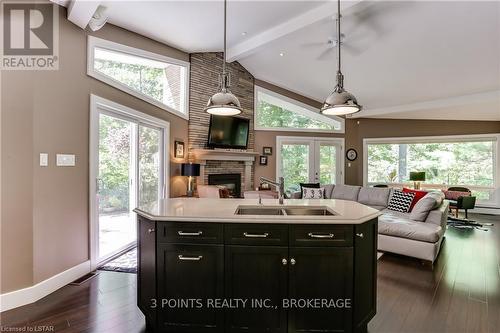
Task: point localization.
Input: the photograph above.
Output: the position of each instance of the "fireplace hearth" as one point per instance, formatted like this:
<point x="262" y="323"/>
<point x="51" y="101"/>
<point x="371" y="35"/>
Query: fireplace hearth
<point x="231" y="181"/>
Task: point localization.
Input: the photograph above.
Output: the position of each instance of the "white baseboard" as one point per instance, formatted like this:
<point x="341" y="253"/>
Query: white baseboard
<point x="32" y="294"/>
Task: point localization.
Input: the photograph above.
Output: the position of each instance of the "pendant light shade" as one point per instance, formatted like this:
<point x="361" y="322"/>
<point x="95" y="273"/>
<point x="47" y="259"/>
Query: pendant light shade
<point x="340" y="102"/>
<point x="224" y="103"/>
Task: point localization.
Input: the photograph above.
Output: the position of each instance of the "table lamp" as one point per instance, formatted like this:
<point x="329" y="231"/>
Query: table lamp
<point x="417" y="177"/>
<point x="190" y="170"/>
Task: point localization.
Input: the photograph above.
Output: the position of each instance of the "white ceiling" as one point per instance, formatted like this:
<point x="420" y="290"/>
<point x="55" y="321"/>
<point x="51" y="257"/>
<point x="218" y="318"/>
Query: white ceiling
<point x="403" y="59"/>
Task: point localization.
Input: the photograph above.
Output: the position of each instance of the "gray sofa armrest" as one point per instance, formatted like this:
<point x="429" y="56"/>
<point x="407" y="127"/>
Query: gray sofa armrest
<point x="439" y="216"/>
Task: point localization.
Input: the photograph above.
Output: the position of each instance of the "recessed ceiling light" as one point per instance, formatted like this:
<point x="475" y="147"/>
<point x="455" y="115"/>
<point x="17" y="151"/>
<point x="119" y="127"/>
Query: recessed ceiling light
<point x="244" y="33"/>
<point x="281" y="54"/>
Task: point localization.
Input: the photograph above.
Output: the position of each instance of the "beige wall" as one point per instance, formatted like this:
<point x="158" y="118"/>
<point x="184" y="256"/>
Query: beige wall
<point x="45" y="210"/>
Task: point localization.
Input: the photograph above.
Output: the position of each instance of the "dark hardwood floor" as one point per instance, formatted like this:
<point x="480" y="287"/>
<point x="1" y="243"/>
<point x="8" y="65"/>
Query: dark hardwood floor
<point x="461" y="294"/>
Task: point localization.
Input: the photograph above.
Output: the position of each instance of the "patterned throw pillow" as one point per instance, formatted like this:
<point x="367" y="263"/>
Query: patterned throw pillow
<point x="313" y="193"/>
<point x="401" y="201"/>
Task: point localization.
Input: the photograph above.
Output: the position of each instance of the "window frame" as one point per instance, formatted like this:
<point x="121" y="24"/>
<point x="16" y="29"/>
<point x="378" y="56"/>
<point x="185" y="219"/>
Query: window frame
<point x="494" y="137"/>
<point x="94" y="42"/>
<point x="314" y="111"/>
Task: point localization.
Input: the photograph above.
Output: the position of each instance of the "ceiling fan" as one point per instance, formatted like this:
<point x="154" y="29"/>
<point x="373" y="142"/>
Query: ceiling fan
<point x="364" y="28"/>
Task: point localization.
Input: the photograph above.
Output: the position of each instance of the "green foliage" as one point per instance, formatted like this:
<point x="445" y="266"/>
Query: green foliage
<point x="461" y="163"/>
<point x="114" y="164"/>
<point x="272" y="116"/>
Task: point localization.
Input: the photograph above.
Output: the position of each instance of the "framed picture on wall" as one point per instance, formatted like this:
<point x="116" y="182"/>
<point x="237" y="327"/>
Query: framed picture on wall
<point x="263" y="160"/>
<point x="179" y="149"/>
<point x="267" y="150"/>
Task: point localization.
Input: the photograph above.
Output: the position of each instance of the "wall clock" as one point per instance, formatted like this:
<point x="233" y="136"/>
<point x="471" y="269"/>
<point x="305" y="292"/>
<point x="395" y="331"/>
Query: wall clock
<point x="351" y="154"/>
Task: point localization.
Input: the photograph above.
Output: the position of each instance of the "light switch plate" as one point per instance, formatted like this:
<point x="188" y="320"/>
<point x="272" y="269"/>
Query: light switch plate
<point x="44" y="159"/>
<point x="65" y="160"/>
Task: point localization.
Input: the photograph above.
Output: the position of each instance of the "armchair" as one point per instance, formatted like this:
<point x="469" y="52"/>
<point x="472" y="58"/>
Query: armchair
<point x="460" y="198"/>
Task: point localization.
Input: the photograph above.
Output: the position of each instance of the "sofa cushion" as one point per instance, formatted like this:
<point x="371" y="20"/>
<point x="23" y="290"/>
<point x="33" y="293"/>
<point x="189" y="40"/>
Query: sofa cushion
<point x="328" y="190"/>
<point x="400" y="201"/>
<point x="346" y="192"/>
<point x="418" y="195"/>
<point x="398" y="224"/>
<point x="430" y="201"/>
<point x="313" y="193"/>
<point x="307" y="185"/>
<point x="373" y="196"/>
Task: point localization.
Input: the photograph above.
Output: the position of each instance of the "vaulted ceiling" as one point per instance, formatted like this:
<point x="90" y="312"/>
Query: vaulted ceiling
<point x="402" y="59"/>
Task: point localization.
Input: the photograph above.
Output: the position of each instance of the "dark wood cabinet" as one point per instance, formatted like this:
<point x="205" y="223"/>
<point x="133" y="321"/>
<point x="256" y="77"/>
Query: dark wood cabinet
<point x="257" y="273"/>
<point x="365" y="274"/>
<point x="186" y="273"/>
<point x="146" y="269"/>
<point x="323" y="274"/>
<point x="274" y="268"/>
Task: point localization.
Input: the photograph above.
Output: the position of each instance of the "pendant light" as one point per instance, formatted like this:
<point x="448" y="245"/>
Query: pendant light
<point x="224" y="103"/>
<point x="340" y="102"/>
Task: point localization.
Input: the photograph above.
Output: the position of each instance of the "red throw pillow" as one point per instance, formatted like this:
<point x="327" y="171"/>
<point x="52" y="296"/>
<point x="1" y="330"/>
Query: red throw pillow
<point x="418" y="195"/>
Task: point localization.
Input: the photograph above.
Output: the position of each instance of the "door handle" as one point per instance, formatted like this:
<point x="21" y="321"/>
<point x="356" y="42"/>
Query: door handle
<point x="264" y="235"/>
<point x="151" y="230"/>
<point x="195" y="258"/>
<point x="284" y="261"/>
<point x="183" y="233"/>
<point x="360" y="235"/>
<point x="312" y="235"/>
<point x="293" y="261"/>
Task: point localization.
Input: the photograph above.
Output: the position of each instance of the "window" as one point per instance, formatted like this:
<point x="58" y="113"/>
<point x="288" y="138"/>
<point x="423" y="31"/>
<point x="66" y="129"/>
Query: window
<point x="280" y="113"/>
<point x="157" y="79"/>
<point x="469" y="161"/>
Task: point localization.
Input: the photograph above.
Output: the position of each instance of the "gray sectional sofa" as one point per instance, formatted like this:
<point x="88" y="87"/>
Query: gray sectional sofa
<point x="416" y="234"/>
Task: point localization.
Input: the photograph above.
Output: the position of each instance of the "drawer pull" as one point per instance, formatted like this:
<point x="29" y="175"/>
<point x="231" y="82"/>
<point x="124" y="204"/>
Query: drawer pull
<point x="151" y="230"/>
<point x="284" y="261"/>
<point x="264" y="235"/>
<point x="196" y="258"/>
<point x="183" y="233"/>
<point x="321" y="235"/>
<point x="293" y="261"/>
<point x="360" y="235"/>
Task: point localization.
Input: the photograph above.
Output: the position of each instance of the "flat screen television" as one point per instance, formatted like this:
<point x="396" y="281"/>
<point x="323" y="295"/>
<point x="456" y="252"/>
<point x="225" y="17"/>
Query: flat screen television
<point x="228" y="132"/>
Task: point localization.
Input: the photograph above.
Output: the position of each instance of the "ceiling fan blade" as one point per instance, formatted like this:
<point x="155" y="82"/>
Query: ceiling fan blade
<point x="313" y="44"/>
<point x="351" y="49"/>
<point x="325" y="54"/>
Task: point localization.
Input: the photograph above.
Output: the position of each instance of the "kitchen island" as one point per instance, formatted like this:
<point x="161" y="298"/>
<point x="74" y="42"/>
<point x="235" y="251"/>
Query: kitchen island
<point x="237" y="265"/>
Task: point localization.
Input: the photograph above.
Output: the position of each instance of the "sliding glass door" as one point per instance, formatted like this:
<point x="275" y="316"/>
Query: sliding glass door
<point x="129" y="166"/>
<point x="305" y="159"/>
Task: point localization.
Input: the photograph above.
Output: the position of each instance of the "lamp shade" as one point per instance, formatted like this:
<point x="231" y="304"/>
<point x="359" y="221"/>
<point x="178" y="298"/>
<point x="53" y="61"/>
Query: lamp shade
<point x="190" y="169"/>
<point x="417" y="176"/>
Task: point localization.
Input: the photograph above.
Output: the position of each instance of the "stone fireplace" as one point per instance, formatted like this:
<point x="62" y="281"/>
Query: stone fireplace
<point x="217" y="162"/>
<point x="231" y="181"/>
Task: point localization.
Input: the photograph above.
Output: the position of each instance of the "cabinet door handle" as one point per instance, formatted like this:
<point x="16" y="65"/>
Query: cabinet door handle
<point x="264" y="235"/>
<point x="196" y="258"/>
<point x="321" y="235"/>
<point x="184" y="233"/>
<point x="151" y="230"/>
<point x="284" y="261"/>
<point x="293" y="261"/>
<point x="360" y="235"/>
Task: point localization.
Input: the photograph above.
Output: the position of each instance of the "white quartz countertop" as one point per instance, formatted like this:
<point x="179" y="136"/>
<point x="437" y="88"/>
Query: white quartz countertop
<point x="223" y="210"/>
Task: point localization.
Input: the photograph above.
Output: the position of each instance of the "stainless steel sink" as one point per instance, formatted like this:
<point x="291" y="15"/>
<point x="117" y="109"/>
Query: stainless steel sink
<point x="253" y="210"/>
<point x="286" y="210"/>
<point x="308" y="211"/>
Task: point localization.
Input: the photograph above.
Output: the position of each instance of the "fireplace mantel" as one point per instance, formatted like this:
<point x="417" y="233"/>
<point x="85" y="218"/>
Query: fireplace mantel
<point x="248" y="157"/>
<point x="224" y="155"/>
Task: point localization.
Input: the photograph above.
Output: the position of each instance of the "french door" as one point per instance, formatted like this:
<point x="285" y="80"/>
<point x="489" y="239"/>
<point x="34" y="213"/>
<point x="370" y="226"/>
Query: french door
<point x="128" y="169"/>
<point x="309" y="160"/>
